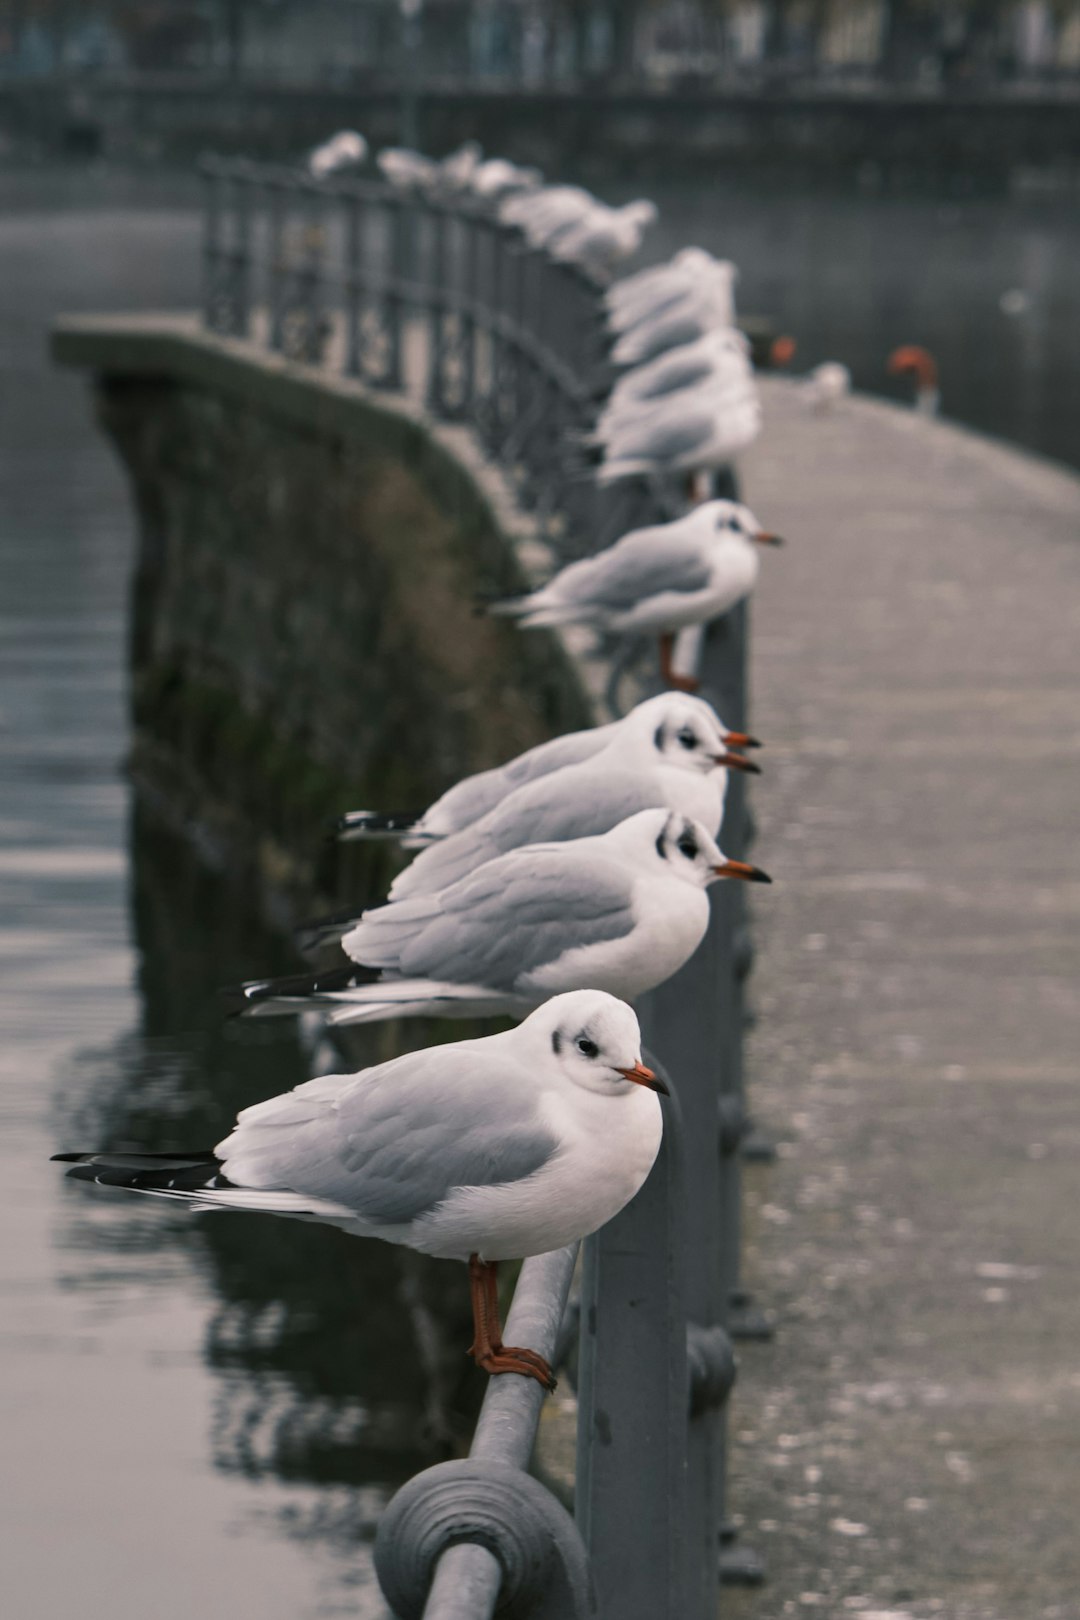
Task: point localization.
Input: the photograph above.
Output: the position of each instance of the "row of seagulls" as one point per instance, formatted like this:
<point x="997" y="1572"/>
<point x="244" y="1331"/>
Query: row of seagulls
<point x="481" y="1151"/>
<point x="554" y="889"/>
<point x="656" y="580"/>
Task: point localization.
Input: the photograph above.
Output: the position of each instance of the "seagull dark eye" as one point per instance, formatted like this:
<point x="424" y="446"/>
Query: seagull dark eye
<point x="687" y="737"/>
<point x="687" y="846"/>
<point x="588" y="1048"/>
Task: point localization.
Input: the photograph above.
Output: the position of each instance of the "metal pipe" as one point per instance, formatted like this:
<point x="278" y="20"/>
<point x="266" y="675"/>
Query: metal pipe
<point x="468" y="1576"/>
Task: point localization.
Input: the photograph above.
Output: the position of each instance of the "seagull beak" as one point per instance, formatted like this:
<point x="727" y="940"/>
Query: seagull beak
<point x="742" y="869"/>
<point x="764" y="538"/>
<point x="735" y="762"/>
<point x="641" y="1076"/>
<point x="739" y="739"/>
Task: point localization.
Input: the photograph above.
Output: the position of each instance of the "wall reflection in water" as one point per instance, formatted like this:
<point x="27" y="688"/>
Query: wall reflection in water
<point x="337" y="1362"/>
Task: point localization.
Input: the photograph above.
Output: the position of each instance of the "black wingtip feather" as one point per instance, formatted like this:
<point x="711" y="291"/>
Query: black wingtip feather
<point x="239" y="998"/>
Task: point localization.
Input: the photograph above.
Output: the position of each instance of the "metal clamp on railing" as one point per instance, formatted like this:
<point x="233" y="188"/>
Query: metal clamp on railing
<point x="463" y="1537"/>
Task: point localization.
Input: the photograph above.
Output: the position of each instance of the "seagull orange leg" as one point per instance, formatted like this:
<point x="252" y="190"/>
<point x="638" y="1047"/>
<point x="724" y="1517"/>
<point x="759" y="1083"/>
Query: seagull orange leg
<point x="679" y="683"/>
<point x="487" y="1348"/>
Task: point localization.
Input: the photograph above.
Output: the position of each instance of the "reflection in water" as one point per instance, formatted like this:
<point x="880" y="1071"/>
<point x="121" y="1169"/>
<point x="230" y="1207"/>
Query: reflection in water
<point x="337" y="1362"/>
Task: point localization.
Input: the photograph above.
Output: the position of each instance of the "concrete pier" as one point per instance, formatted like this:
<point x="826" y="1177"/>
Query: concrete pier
<point x="906" y="1446"/>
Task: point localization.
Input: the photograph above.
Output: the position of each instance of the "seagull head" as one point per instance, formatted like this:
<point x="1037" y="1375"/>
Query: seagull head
<point x="594" y="1040"/>
<point x="684" y="849"/>
<point x="688" y="735"/>
<point x="733" y="521"/>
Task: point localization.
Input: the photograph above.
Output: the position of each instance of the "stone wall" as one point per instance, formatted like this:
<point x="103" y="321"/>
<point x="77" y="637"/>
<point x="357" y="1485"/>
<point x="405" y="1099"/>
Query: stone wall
<point x="303" y="633"/>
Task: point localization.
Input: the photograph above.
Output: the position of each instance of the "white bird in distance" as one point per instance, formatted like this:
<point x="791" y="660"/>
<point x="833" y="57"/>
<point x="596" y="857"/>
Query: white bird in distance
<point x="655" y="580"/>
<point x="345" y="150"/>
<point x="480" y="1151"/>
<point x="621" y="912"/>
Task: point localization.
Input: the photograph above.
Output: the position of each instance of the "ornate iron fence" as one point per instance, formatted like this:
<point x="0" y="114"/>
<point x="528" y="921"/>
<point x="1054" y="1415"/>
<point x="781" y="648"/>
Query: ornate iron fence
<point x="439" y="300"/>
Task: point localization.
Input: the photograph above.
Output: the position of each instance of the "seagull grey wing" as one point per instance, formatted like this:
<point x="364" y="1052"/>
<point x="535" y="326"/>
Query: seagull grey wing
<point x="647" y="567"/>
<point x="394" y="1141"/>
<point x="580" y="802"/>
<point x="412" y="1137"/>
<point x="518" y="913"/>
<point x="670" y="438"/>
<point x="467" y="801"/>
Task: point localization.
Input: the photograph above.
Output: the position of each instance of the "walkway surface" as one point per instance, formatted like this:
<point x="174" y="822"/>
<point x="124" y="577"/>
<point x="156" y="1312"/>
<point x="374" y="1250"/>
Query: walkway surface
<point x="909" y="1443"/>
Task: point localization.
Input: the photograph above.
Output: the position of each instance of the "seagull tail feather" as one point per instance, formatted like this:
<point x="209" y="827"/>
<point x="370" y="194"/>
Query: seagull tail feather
<point x="295" y="992"/>
<point x="193" y="1179"/>
<point x="366" y="824"/>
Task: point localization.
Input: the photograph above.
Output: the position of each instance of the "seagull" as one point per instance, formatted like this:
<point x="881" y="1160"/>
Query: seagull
<point x="481" y="1151"/>
<point x="541" y="215"/>
<point x="690" y="431"/>
<point x="497" y="178"/>
<point x="655" y="580"/>
<point x="826" y="385"/>
<point x="406" y="170"/>
<point x="911" y="360"/>
<point x="661" y="289"/>
<point x="701" y="310"/>
<point x="721" y="354"/>
<point x="641" y="768"/>
<point x="603" y="236"/>
<point x="345" y="150"/>
<point x="620" y="912"/>
<point x="665" y="719"/>
<point x="457" y="170"/>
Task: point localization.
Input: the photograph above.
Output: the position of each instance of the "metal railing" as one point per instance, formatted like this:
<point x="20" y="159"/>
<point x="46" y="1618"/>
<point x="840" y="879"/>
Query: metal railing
<point x="441" y="302"/>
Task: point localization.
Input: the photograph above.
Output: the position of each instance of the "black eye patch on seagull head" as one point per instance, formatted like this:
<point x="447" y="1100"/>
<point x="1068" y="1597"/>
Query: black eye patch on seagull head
<point x="587" y="1046"/>
<point x="688" y="845"/>
<point x="688" y="737"/>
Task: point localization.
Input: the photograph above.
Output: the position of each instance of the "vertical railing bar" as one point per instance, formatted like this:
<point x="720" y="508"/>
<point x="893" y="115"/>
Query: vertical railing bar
<point x="352" y="205"/>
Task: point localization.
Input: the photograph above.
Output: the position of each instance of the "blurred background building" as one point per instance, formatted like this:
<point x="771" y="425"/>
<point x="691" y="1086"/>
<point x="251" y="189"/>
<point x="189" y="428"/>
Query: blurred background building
<point x="648" y="44"/>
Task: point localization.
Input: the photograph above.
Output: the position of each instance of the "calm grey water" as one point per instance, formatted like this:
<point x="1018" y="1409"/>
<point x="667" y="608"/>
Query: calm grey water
<point x="205" y="1416"/>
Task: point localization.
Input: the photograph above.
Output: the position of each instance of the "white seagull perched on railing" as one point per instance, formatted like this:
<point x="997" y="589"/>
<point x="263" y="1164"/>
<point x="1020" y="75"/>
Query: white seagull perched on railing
<point x="498" y="178"/>
<point x="660" y="727"/>
<point x="699" y="312"/>
<point x="407" y="170"/>
<point x="662" y="289"/>
<point x="541" y="215"/>
<point x="621" y="912"/>
<point x="643" y="767"/>
<point x="481" y="1151"/>
<point x="604" y="236"/>
<point x="692" y="430"/>
<point x="457" y="170"/>
<point x="721" y="355"/>
<point x="656" y="580"/>
<point x="345" y="150"/>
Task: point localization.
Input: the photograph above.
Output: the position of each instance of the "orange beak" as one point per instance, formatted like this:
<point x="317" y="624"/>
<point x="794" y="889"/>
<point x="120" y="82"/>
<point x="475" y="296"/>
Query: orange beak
<point x="742" y="869"/>
<point x="641" y="1076"/>
<point x="764" y="538"/>
<point x="735" y="762"/>
<point x="740" y="739"/>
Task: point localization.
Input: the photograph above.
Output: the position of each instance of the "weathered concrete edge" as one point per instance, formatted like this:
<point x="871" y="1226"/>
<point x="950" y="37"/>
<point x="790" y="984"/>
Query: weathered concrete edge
<point x="325" y="403"/>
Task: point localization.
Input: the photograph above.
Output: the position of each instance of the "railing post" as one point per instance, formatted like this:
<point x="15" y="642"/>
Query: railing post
<point x="401" y="226"/>
<point x="211" y="247"/>
<point x="353" y="289"/>
<point x="243" y="190"/>
<point x="631" y="1490"/>
<point x="277" y="266"/>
